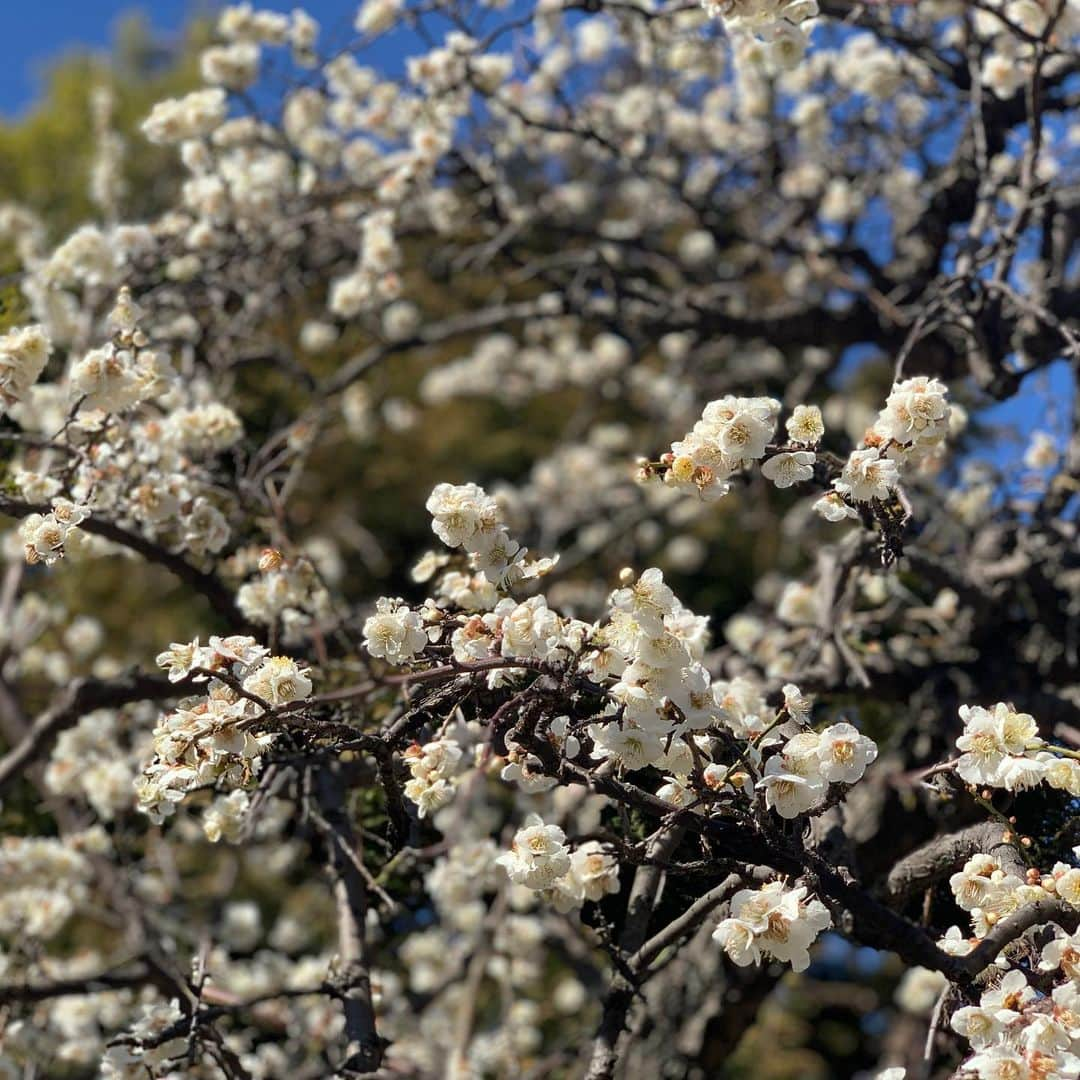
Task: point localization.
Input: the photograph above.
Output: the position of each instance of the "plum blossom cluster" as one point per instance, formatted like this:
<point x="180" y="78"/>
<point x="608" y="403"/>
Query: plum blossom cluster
<point x="72" y="1030"/>
<point x="659" y="703"/>
<point x="1019" y="1030"/>
<point x="45" y="536"/>
<point x="540" y="859"/>
<point x="432" y="769"/>
<point x="374" y="282"/>
<point x="23" y="355"/>
<point x="538" y="855"/>
<point x="773" y="921"/>
<point x="1008" y="30"/>
<point x="653" y="648"/>
<point x="138" y="450"/>
<point x="147" y="1051"/>
<point x="797" y="777"/>
<point x="226" y="818"/>
<point x="661" y="708"/>
<point x="731" y="434"/>
<point x="989" y="888"/>
<point x="122" y="372"/>
<point x="288" y="593"/>
<point x="909" y="431"/>
<point x="517" y="950"/>
<point x="214" y="738"/>
<point x="553" y="358"/>
<point x="466" y="516"/>
<point x="1002" y="748"/>
<point x="779" y="24"/>
<point x="593" y="874"/>
<point x="85" y="760"/>
<point x="190" y="117"/>
<point x="43" y="881"/>
<point x="395" y="632"/>
<point x="735" y="432"/>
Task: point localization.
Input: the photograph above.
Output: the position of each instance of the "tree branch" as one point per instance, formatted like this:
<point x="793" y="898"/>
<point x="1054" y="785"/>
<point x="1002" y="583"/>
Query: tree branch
<point x="365" y="1048"/>
<point x="204" y="582"/>
<point x="81" y="697"/>
<point x="1017" y="924"/>
<point x="945" y="855"/>
<point x="620" y="995"/>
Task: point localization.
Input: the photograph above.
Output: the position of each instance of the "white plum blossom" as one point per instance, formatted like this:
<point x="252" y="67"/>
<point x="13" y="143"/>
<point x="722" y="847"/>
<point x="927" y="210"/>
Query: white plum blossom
<point x="593" y="874"/>
<point x="226" y="817"/>
<point x="44" y="535"/>
<point x="832" y="507"/>
<point x="375" y="16"/>
<point x="279" y="680"/>
<point x="395" y="632"/>
<point x="23" y="355"/>
<point x="805" y="425"/>
<point x="538" y="855"/>
<point x="784" y="470"/>
<point x="843" y="753"/>
<point x="796" y="779"/>
<point x="647" y="599"/>
<point x="791" y="793"/>
<point x="189" y="117"/>
<point x="772" y="921"/>
<point x="1063" y="953"/>
<point x="731" y="433"/>
<point x="1012" y="1030"/>
<point x="433" y="768"/>
<point x="1042" y="451"/>
<point x="867" y="476"/>
<point x="916" y="410"/>
<point x="995" y="743"/>
<point x="798" y="604"/>
<point x="797" y="704"/>
<point x="466" y="516"/>
<point x="204" y="429"/>
<point x="109" y="379"/>
<point x="981" y="1027"/>
<point x="233" y="66"/>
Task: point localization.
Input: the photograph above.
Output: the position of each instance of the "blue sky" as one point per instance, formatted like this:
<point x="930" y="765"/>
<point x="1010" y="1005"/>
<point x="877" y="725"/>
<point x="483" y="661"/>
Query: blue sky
<point x="42" y="31"/>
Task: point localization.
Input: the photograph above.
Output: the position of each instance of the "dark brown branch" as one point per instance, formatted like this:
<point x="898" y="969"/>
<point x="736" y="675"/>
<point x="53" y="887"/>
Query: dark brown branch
<point x="620" y="995"/>
<point x="871" y="923"/>
<point x="365" y="1049"/>
<point x="204" y="582"/>
<point x="945" y="855"/>
<point x="686" y="923"/>
<point x="107" y="980"/>
<point x="1013" y="927"/>
<point x="81" y="697"/>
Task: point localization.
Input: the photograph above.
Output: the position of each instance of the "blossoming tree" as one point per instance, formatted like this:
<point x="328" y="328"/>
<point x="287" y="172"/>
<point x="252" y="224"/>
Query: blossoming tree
<point x="791" y="656"/>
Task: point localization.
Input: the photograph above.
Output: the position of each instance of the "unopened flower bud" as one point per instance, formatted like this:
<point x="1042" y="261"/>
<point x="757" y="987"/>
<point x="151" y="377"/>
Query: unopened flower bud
<point x="270" y="559"/>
